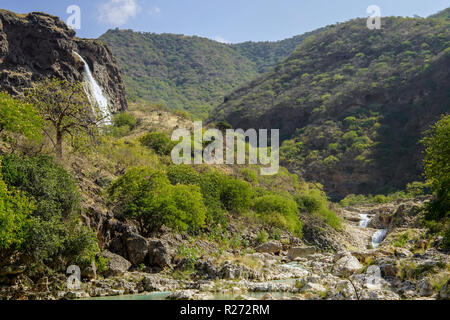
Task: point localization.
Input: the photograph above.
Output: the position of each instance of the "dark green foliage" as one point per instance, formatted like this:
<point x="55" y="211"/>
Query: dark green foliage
<point x="173" y="69"/>
<point x="49" y="184"/>
<point x="52" y="228"/>
<point x="437" y="172"/>
<point x="160" y="142"/>
<point x="348" y="102"/>
<point x="15" y="210"/>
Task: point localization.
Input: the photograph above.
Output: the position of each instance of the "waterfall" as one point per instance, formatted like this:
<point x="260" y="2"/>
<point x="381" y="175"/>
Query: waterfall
<point x="364" y="222"/>
<point x="378" y="237"/>
<point x="95" y="93"/>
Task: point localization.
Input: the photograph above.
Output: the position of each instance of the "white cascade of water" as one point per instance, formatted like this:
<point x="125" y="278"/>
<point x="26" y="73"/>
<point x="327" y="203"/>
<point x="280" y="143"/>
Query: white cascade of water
<point x="95" y="93"/>
<point x="378" y="237"/>
<point x="364" y="222"/>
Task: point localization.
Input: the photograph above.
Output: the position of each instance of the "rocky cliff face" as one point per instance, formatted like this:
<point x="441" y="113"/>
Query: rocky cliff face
<point x="38" y="45"/>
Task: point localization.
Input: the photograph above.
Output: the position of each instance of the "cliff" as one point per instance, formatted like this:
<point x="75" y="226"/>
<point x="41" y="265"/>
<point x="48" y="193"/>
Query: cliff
<point x="37" y="45"/>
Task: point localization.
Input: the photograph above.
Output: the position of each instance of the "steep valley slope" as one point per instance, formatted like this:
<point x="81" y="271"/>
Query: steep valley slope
<point x="353" y="103"/>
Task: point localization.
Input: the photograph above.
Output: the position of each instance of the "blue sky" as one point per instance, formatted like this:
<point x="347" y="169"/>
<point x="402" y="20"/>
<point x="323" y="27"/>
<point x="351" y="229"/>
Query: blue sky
<point x="224" y="20"/>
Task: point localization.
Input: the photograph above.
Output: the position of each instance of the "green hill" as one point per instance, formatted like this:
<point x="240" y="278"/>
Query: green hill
<point x="190" y="73"/>
<point x="352" y="103"/>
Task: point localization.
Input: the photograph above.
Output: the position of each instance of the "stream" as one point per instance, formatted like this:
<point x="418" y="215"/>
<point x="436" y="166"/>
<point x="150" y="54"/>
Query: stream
<point x="378" y="236"/>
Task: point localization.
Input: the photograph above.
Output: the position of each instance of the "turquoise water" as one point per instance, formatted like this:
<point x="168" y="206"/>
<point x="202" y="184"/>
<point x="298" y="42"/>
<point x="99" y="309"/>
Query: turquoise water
<point x="224" y="296"/>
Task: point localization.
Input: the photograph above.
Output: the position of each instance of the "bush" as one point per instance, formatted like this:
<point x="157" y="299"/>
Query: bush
<point x="123" y="123"/>
<point x="183" y="174"/>
<point x="52" y="229"/>
<point x="146" y="195"/>
<point x="158" y="141"/>
<point x="19" y="117"/>
<point x="52" y="187"/>
<point x="314" y="201"/>
<point x="262" y="237"/>
<point x="279" y="211"/>
<point x="15" y="209"/>
<point x="236" y="194"/>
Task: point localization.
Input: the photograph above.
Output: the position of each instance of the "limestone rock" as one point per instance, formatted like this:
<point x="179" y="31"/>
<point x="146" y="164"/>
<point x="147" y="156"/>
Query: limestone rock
<point x="296" y="252"/>
<point x="274" y="247"/>
<point x="137" y="248"/>
<point x="117" y="265"/>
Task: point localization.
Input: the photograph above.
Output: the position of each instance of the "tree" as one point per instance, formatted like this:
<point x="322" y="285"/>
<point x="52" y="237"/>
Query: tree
<point x="437" y="167"/>
<point x="19" y="117"/>
<point x="66" y="110"/>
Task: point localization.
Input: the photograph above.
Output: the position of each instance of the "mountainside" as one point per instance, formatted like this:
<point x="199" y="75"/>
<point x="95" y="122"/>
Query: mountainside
<point x="190" y="73"/>
<point x="352" y="103"/>
<point x="38" y="45"/>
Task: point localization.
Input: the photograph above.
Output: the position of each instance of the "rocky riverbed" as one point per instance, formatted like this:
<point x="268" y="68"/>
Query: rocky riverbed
<point x="407" y="264"/>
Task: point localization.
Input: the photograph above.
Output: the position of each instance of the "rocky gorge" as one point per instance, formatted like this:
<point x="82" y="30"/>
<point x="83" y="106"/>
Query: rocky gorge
<point x="408" y="264"/>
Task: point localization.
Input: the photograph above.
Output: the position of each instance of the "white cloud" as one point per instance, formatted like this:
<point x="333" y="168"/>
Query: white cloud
<point x="118" y="12"/>
<point x="154" y="10"/>
<point x="221" y="39"/>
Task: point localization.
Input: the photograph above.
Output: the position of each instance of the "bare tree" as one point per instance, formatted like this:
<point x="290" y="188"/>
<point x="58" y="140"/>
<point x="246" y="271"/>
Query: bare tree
<point x="65" y="109"/>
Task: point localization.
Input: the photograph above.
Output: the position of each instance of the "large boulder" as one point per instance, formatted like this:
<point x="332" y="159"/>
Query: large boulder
<point x="117" y="265"/>
<point x="444" y="293"/>
<point x="137" y="248"/>
<point x="159" y="254"/>
<point x="347" y="265"/>
<point x="300" y="252"/>
<point x="274" y="247"/>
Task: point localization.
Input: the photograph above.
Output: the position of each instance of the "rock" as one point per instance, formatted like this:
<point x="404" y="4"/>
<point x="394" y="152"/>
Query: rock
<point x="314" y="287"/>
<point x="388" y="270"/>
<point x="274" y="247"/>
<point x="137" y="248"/>
<point x="182" y="295"/>
<point x="347" y="265"/>
<point x="76" y="295"/>
<point x="444" y="293"/>
<point x="296" y="252"/>
<point x="345" y="288"/>
<point x="117" y="265"/>
<point x="267" y="296"/>
<point x="207" y="268"/>
<point x="89" y="272"/>
<point x="159" y="254"/>
<point x="39" y="45"/>
<point x="424" y="288"/>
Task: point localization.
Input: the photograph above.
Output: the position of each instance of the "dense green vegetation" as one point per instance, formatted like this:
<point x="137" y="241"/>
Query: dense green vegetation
<point x="352" y="103"/>
<point x="190" y="73"/>
<point x="437" y="171"/>
<point x="38" y="205"/>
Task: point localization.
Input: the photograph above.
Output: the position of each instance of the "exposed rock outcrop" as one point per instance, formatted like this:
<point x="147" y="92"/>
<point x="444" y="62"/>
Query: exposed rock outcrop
<point x="38" y="45"/>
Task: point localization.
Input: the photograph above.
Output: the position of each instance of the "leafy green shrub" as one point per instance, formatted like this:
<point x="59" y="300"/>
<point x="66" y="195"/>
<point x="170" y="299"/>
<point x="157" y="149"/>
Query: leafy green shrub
<point x="183" y="174"/>
<point x="49" y="184"/>
<point x="437" y="168"/>
<point x="262" y="237"/>
<point x="236" y="194"/>
<point x="158" y="141"/>
<point x="279" y="211"/>
<point x="53" y="228"/>
<point x="314" y="201"/>
<point x="123" y="123"/>
<point x="19" y="117"/>
<point x="15" y="209"/>
<point x="146" y="195"/>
